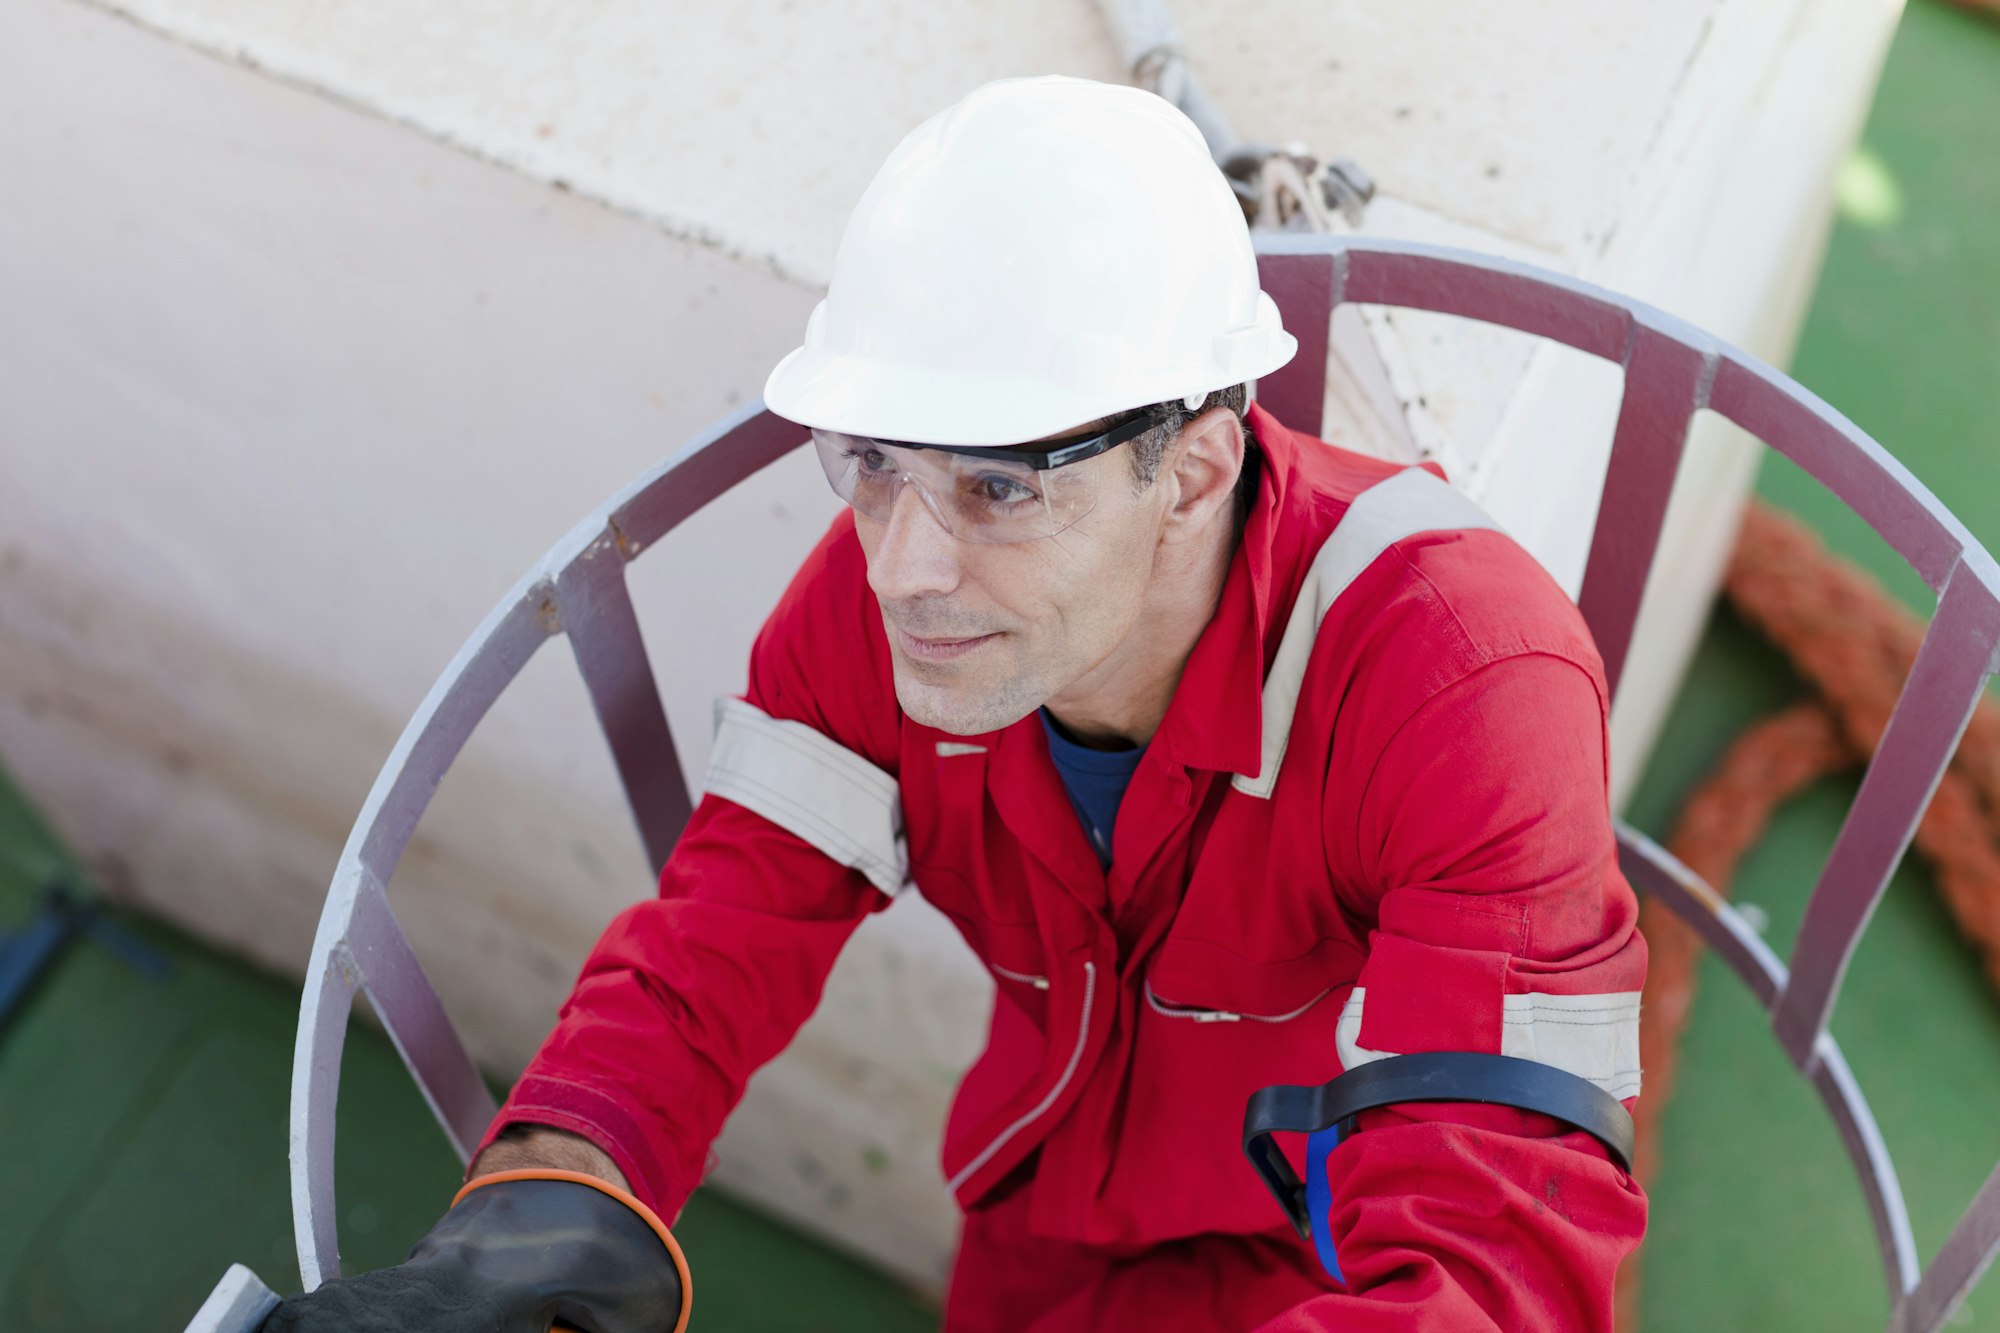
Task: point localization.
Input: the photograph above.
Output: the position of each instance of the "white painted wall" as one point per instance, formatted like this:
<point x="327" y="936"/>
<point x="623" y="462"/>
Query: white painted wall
<point x="304" y="356"/>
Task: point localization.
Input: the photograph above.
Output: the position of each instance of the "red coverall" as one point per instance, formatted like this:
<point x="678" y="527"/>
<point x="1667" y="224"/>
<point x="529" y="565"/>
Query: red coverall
<point x="1433" y="869"/>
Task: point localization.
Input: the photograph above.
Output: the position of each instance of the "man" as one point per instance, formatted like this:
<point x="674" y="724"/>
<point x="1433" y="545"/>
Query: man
<point x="1240" y="760"/>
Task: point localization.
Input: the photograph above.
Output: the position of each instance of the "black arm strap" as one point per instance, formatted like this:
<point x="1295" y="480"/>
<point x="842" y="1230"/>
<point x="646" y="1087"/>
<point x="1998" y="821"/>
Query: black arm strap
<point x="1436" y="1076"/>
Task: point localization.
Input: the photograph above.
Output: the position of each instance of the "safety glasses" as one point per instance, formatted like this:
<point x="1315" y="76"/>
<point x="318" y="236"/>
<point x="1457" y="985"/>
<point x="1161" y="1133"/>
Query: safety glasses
<point x="1012" y="494"/>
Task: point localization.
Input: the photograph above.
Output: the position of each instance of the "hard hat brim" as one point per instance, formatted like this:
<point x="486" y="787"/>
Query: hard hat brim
<point x="860" y="395"/>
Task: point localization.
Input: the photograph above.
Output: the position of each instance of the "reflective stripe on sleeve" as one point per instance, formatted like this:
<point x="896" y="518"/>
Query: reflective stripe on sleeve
<point x="1404" y="505"/>
<point x="811" y="786"/>
<point x="1595" y="1037"/>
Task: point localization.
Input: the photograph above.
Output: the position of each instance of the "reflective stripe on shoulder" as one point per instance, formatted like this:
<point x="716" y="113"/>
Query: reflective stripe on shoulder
<point x="1595" y="1037"/>
<point x="1401" y="506"/>
<point x="811" y="786"/>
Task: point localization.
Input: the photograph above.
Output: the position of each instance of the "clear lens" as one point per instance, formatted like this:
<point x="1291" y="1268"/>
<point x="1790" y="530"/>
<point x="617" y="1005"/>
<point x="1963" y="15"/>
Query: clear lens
<point x="976" y="498"/>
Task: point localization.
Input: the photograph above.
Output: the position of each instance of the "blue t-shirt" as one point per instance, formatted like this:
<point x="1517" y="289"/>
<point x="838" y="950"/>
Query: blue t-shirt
<point x="1096" y="782"/>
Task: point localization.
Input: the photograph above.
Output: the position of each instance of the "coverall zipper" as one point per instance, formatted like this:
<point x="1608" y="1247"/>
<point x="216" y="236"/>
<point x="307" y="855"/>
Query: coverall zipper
<point x="1040" y="1108"/>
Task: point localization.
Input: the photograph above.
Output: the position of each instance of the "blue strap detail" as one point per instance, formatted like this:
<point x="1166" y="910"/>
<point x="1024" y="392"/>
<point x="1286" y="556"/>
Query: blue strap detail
<point x="1319" y="1196"/>
<point x="1431" y="1076"/>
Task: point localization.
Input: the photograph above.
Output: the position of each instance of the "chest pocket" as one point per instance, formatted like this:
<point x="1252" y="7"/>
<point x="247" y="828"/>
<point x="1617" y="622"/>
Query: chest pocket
<point x="1193" y="1013"/>
<point x="1211" y="1028"/>
<point x="1199" y="982"/>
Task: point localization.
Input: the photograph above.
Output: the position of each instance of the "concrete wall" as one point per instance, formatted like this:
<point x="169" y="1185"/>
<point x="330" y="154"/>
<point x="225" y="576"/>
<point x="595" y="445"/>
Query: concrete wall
<point x="319" y="322"/>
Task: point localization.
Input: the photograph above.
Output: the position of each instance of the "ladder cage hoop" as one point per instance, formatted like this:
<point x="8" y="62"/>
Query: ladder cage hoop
<point x="1652" y="868"/>
<point x="1888" y="1211"/>
<point x="1671" y="371"/>
<point x="577" y="587"/>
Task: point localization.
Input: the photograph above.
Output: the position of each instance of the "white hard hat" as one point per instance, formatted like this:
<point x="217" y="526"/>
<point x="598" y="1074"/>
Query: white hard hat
<point x="1046" y="252"/>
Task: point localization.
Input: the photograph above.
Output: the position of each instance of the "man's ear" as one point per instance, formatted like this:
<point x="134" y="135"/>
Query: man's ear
<point x="1203" y="465"/>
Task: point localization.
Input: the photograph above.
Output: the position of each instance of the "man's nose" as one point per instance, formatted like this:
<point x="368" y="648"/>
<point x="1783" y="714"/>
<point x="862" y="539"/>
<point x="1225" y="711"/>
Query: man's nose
<point x="917" y="556"/>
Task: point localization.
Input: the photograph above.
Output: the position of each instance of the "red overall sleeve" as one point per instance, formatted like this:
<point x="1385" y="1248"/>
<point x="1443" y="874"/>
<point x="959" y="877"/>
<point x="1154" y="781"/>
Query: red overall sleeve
<point x="686" y="995"/>
<point x="1484" y="826"/>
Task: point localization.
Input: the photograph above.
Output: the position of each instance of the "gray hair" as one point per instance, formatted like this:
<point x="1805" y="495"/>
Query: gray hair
<point x="1169" y="419"/>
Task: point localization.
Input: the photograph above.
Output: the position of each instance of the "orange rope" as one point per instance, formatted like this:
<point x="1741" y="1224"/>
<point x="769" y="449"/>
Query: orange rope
<point x="1853" y="645"/>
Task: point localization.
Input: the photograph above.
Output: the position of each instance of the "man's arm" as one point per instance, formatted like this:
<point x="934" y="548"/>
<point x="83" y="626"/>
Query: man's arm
<point x="1486" y="830"/>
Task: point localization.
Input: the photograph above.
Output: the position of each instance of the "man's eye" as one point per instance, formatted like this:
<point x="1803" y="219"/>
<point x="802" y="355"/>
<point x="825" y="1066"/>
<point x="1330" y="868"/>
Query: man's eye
<point x="871" y="460"/>
<point x="999" y="490"/>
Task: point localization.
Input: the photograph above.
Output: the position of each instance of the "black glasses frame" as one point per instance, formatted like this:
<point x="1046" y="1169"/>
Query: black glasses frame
<point x="1054" y="453"/>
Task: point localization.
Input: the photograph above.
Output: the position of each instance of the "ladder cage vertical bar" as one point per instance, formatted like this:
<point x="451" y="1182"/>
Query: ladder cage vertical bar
<point x="415" y="1019"/>
<point x="1931" y="714"/>
<point x="1957" y="1266"/>
<point x="1306" y="289"/>
<point x="595" y="607"/>
<point x="1666" y="383"/>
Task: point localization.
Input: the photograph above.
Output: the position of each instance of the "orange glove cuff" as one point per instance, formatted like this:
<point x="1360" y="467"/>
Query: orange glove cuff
<point x="652" y="1219"/>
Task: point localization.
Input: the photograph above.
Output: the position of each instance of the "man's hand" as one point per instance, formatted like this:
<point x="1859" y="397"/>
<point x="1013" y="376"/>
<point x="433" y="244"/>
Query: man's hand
<point x="516" y="1253"/>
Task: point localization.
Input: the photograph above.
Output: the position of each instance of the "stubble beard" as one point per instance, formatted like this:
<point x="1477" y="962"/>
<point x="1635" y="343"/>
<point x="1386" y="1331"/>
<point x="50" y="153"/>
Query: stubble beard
<point x="963" y="707"/>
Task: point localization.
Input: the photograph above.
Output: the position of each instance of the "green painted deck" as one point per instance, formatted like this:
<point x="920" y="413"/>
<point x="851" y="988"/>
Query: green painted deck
<point x="144" y="1122"/>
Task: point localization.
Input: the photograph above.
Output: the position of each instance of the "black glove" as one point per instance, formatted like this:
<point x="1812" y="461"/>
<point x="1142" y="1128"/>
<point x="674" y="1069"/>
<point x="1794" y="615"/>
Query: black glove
<point x="518" y="1252"/>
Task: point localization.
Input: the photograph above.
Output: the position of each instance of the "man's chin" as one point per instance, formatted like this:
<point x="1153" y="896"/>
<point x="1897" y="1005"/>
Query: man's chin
<point x="958" y="710"/>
